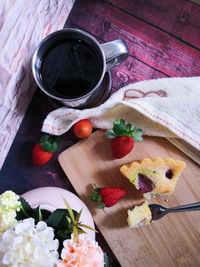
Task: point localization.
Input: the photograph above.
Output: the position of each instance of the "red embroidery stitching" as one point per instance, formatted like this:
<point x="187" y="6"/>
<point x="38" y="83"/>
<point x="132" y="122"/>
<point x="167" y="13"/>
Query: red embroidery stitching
<point x="169" y="123"/>
<point x="140" y="93"/>
<point x="60" y="116"/>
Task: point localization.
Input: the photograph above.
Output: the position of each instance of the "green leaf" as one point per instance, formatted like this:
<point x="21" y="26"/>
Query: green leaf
<point x="25" y="211"/>
<point x="96" y="197"/>
<point x="20" y="215"/>
<point x="86" y="226"/>
<point x="106" y="260"/>
<point x="110" y="134"/>
<point x="137" y="135"/>
<point x="101" y="205"/>
<point x="119" y="127"/>
<point x="63" y="235"/>
<point x="37" y="214"/>
<point x="50" y="143"/>
<point x="80" y="231"/>
<point x="78" y="215"/>
<point x="45" y="214"/>
<point x="75" y="231"/>
<point x="122" y="129"/>
<point x="40" y="217"/>
<point x="57" y="219"/>
<point x="129" y="127"/>
<point x="68" y="219"/>
<point x="69" y="210"/>
<point x="120" y="122"/>
<point x="26" y="206"/>
<point x="96" y="189"/>
<point x="44" y="138"/>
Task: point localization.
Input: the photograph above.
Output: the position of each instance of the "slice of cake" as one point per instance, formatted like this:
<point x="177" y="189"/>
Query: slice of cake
<point x="154" y="177"/>
<point x="140" y="215"/>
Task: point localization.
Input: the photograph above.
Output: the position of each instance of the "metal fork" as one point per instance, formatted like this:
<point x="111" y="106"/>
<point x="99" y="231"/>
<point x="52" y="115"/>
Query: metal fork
<point x="159" y="211"/>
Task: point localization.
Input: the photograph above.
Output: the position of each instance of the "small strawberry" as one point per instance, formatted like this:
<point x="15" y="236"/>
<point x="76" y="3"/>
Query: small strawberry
<point x="123" y="137"/>
<point x="42" y="152"/>
<point x="121" y="146"/>
<point x="107" y="196"/>
<point x="82" y="128"/>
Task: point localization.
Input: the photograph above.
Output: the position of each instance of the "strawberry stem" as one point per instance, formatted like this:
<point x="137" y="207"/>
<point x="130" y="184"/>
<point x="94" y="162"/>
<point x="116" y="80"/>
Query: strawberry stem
<point x="120" y="128"/>
<point x="50" y="143"/>
<point x="97" y="198"/>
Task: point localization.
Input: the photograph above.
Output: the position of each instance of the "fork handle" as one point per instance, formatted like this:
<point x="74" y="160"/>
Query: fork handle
<point x="188" y="207"/>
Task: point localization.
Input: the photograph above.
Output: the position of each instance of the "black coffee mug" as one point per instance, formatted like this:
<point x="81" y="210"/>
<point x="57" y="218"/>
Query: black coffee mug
<point x="69" y="65"/>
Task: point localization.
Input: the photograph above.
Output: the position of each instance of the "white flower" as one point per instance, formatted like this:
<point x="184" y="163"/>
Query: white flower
<point x="7" y="219"/>
<point x="8" y="205"/>
<point x="29" y="245"/>
<point x="9" y="200"/>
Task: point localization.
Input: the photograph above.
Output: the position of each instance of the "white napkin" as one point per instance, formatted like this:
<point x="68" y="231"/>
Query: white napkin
<point x="168" y="107"/>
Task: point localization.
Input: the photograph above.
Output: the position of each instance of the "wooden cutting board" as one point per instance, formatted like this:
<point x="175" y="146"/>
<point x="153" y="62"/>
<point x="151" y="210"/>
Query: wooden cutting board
<point x="173" y="240"/>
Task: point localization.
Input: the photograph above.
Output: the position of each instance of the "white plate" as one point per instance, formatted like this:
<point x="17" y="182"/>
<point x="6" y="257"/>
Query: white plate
<point x="51" y="198"/>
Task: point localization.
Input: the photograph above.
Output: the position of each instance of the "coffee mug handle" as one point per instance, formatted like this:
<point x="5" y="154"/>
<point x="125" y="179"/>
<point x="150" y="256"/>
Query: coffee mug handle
<point x="115" y="52"/>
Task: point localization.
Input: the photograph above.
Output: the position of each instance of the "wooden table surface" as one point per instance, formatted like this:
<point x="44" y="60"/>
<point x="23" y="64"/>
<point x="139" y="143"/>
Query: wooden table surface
<point x="163" y="37"/>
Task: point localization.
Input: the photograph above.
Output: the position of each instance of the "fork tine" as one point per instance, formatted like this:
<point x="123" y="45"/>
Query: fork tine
<point x="157" y="211"/>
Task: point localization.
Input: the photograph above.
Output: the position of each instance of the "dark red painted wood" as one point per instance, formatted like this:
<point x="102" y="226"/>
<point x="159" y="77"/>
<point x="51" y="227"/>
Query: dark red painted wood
<point x="180" y="18"/>
<point x="132" y="71"/>
<point x="146" y="43"/>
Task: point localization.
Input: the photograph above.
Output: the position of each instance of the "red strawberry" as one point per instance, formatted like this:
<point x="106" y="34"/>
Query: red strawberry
<point x="43" y="151"/>
<point x="123" y="137"/>
<point x="40" y="156"/>
<point x="121" y="146"/>
<point x="107" y="196"/>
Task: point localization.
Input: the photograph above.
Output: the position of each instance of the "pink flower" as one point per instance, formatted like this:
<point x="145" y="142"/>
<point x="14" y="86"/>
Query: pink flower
<point x="81" y="253"/>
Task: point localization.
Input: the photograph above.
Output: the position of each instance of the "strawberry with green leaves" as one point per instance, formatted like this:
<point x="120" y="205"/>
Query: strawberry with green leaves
<point x="123" y="137"/>
<point x="43" y="151"/>
<point x="107" y="196"/>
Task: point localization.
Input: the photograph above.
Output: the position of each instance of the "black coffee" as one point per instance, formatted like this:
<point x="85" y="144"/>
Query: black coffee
<point x="70" y="69"/>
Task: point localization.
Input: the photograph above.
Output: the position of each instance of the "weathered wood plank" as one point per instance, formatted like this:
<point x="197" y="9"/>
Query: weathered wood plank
<point x="180" y="18"/>
<point x="22" y="26"/>
<point x="132" y="71"/>
<point x="146" y="43"/>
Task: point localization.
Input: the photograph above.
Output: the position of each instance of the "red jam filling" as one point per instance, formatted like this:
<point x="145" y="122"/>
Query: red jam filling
<point x="169" y="174"/>
<point x="145" y="184"/>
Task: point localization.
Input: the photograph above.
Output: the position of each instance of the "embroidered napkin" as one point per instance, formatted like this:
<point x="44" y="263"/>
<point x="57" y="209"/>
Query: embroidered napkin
<point x="167" y="107"/>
